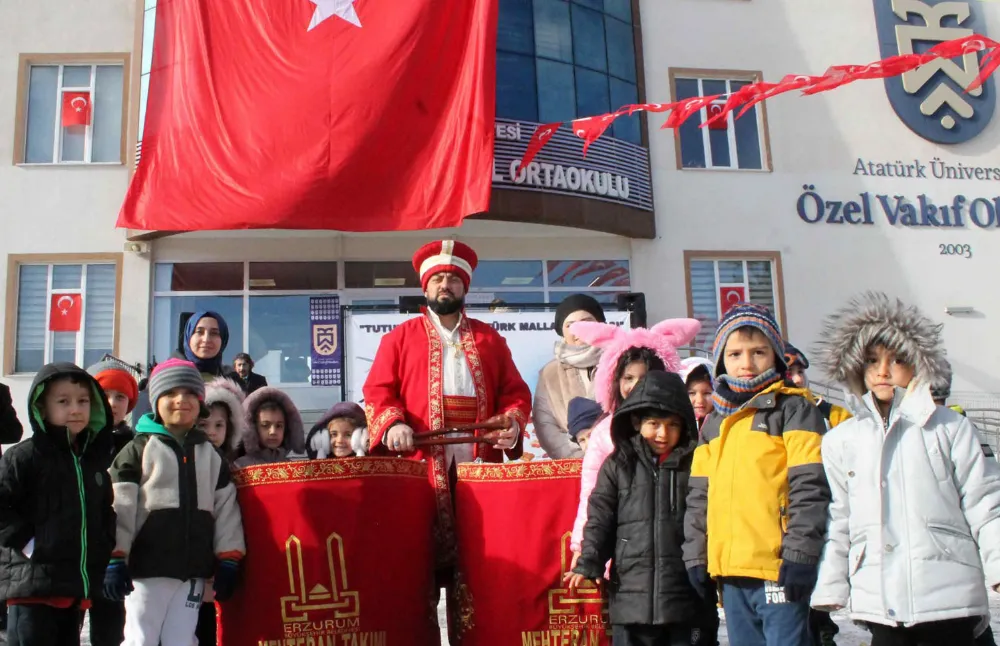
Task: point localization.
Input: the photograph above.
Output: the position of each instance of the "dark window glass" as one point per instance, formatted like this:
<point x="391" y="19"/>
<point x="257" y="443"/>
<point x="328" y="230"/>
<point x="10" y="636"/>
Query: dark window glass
<point x="508" y="273"/>
<point x="593" y="4"/>
<point x="692" y="144"/>
<point x="293" y="275"/>
<point x="620" y="9"/>
<point x="279" y="338"/>
<point x="588" y="273"/>
<point x="366" y="275"/>
<point x="588" y="39"/>
<point x="747" y="137"/>
<point x="198" y="277"/>
<point x="621" y="49"/>
<point x="591" y="93"/>
<point x="627" y="128"/>
<point x="516" y="87"/>
<point x="556" y="97"/>
<point x="553" y="37"/>
<point x="514" y="33"/>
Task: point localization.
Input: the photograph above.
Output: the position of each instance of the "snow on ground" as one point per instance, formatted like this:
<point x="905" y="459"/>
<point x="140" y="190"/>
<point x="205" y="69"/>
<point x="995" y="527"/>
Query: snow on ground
<point x="850" y="635"/>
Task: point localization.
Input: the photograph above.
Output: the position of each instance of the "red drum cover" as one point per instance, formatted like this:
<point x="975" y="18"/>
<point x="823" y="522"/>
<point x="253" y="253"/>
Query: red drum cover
<point x="514" y="524"/>
<point x="339" y="553"/>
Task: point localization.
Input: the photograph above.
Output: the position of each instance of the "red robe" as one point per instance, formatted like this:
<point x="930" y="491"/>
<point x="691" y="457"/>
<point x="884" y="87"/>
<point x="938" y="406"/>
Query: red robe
<point x="406" y="384"/>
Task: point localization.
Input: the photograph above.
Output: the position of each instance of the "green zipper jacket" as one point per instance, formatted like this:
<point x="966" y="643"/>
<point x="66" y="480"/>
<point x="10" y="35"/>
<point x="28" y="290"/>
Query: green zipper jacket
<point x="57" y="496"/>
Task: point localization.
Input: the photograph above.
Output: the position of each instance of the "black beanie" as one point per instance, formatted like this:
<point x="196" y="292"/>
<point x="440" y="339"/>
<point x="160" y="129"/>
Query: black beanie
<point x="575" y="303"/>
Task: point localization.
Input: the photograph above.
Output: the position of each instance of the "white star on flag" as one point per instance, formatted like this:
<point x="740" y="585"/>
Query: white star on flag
<point x="329" y="8"/>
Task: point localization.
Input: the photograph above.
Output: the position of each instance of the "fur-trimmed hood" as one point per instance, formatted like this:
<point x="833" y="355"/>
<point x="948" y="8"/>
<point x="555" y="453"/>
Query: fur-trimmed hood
<point x="223" y="391"/>
<point x="875" y="319"/>
<point x="663" y="339"/>
<point x="295" y="441"/>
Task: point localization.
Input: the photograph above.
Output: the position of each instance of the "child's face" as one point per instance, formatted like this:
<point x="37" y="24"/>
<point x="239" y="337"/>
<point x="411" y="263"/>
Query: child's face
<point x="747" y="354"/>
<point x="700" y="394"/>
<point x="884" y="371"/>
<point x="119" y="405"/>
<point x="633" y="374"/>
<point x="340" y="437"/>
<point x="271" y="428"/>
<point x="797" y="375"/>
<point x="662" y="433"/>
<point x="178" y="407"/>
<point x="66" y="404"/>
<point x="214" y="426"/>
<point x="583" y="439"/>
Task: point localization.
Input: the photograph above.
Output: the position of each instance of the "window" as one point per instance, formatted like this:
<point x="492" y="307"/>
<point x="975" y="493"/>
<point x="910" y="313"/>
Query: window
<point x="741" y="145"/>
<point x="266" y="304"/>
<point x="715" y="278"/>
<point x="562" y="59"/>
<point x="71" y="109"/>
<point x="32" y="290"/>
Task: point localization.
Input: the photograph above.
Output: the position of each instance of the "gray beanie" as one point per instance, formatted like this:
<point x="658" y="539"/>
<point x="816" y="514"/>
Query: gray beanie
<point x="175" y="373"/>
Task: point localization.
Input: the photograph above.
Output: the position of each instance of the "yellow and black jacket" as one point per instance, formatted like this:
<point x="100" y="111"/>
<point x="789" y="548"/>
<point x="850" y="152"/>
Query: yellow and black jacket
<point x="758" y="493"/>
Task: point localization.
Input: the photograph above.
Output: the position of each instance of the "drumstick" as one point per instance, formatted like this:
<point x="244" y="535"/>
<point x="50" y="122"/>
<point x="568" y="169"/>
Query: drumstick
<point x="464" y="428"/>
<point x="440" y="441"/>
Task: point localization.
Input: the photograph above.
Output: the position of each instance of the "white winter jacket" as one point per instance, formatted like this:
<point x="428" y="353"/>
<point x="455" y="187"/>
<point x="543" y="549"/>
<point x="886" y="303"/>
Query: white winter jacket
<point x="914" y="533"/>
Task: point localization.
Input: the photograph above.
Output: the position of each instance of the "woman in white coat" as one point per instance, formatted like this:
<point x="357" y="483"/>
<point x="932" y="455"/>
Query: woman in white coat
<point x="914" y="534"/>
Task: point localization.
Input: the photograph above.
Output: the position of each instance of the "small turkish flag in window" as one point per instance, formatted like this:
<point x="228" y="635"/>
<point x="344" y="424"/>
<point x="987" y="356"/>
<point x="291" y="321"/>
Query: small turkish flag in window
<point x="729" y="296"/>
<point x="76" y="109"/>
<point x="715" y="109"/>
<point x="65" y="312"/>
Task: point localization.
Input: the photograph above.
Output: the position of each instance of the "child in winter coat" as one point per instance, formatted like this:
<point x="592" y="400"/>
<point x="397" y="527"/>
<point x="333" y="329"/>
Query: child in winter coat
<point x="107" y="618"/>
<point x="56" y="520"/>
<point x="122" y="392"/>
<point x="797" y="365"/>
<point x="341" y="432"/>
<point x="583" y="414"/>
<point x="636" y="515"/>
<point x="697" y="375"/>
<point x="168" y="542"/>
<point x="914" y="534"/>
<point x="273" y="431"/>
<point x="627" y="355"/>
<point x="225" y="422"/>
<point x="757" y="481"/>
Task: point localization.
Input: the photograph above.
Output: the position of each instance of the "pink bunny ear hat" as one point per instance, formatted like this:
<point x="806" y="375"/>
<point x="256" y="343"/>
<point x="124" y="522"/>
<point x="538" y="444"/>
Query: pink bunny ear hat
<point x="663" y="339"/>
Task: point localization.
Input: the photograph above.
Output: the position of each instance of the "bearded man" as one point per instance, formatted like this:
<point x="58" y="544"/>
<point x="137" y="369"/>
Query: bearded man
<point x="439" y="370"/>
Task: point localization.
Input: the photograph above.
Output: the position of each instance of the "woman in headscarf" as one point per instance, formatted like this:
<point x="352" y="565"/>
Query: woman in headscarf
<point x="206" y="336"/>
<point x="569" y="375"/>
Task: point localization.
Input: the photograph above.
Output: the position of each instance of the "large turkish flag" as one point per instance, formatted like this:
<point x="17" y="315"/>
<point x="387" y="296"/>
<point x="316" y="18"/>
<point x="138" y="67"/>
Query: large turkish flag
<point x="353" y="115"/>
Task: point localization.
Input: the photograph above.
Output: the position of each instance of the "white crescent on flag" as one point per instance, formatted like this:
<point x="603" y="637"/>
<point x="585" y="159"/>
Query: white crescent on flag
<point x="82" y="104"/>
<point x="69" y="299"/>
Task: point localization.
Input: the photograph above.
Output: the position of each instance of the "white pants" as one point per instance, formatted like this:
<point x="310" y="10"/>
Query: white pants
<point x="163" y="611"/>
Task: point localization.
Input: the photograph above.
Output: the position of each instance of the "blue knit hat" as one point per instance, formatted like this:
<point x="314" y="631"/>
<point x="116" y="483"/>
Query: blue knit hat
<point x="583" y="414"/>
<point x="793" y="355"/>
<point x="749" y="315"/>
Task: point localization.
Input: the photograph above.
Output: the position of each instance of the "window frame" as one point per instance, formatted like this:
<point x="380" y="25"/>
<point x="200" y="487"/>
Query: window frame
<point x="14" y="263"/>
<point x="774" y="257"/>
<point x="24" y="65"/>
<point x="546" y="292"/>
<point x="763" y="131"/>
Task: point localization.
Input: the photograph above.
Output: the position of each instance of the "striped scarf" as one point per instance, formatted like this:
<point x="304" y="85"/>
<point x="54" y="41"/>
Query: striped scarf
<point x="732" y="393"/>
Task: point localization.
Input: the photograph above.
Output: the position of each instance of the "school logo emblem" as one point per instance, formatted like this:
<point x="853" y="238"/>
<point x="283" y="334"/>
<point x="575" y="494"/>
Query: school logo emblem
<point x="325" y="339"/>
<point x="931" y="100"/>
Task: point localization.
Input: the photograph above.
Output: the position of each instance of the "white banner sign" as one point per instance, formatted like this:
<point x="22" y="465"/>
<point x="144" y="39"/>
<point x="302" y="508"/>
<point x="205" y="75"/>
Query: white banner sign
<point x="531" y="337"/>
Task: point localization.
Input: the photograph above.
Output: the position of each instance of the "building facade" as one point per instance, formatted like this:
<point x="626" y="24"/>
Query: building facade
<point x="799" y="204"/>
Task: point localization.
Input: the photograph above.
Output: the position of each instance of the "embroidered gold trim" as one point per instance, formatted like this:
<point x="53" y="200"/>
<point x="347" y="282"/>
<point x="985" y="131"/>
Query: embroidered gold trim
<point x="320" y="470"/>
<point x="544" y="470"/>
<point x="444" y="529"/>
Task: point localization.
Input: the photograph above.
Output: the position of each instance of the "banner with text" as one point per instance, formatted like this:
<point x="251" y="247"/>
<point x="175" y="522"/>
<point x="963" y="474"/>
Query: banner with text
<point x="531" y="337"/>
<point x="324" y="321"/>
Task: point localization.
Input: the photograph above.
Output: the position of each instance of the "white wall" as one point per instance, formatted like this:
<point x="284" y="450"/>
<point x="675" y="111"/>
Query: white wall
<point x="815" y="140"/>
<point x="49" y="209"/>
